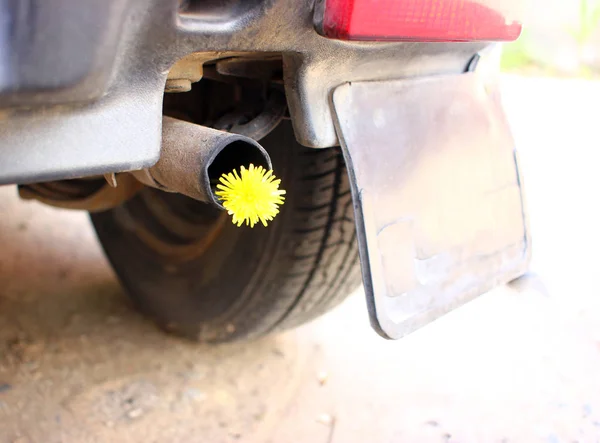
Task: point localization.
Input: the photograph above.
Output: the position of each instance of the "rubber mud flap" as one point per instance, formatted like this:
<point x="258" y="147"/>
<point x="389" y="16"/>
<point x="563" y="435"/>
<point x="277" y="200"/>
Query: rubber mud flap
<point x="439" y="205"/>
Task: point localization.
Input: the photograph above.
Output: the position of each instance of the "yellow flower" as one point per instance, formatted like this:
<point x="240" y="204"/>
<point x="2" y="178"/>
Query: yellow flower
<point x="251" y="196"/>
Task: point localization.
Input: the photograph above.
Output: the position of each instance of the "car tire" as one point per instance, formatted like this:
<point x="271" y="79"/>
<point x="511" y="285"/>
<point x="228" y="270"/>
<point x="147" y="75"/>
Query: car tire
<point x="196" y="274"/>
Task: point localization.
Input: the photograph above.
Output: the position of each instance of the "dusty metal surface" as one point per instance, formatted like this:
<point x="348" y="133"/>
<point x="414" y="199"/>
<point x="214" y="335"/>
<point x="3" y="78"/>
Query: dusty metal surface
<point x="437" y="195"/>
<point x="261" y="125"/>
<point x="190" y="154"/>
<point x="86" y="194"/>
<point x="189" y="70"/>
<point x="121" y="130"/>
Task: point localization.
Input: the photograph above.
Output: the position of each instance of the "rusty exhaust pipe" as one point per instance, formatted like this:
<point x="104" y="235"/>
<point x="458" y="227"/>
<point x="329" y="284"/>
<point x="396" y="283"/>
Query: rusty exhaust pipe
<point x="193" y="157"/>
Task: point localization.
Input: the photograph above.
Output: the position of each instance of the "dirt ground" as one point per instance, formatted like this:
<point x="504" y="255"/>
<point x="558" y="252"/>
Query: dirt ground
<point x="519" y="364"/>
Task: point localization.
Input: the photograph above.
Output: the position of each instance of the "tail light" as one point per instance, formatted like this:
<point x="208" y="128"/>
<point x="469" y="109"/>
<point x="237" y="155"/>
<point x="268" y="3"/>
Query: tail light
<point x="420" y="20"/>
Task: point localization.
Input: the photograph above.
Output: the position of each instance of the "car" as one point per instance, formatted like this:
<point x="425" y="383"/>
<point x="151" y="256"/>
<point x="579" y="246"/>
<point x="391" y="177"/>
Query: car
<point x="247" y="164"/>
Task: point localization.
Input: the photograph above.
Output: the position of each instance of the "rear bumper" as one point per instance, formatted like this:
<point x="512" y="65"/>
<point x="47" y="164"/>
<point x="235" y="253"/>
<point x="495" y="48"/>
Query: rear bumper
<point x="104" y="114"/>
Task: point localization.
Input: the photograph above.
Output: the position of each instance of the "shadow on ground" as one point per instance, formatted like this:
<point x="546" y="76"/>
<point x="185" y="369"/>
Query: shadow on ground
<point x="77" y="363"/>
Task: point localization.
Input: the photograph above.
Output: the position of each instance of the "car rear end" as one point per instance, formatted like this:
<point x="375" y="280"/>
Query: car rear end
<point x="89" y="92"/>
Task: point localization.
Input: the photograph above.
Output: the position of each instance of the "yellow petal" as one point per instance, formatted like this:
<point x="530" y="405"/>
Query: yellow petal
<point x="251" y="196"/>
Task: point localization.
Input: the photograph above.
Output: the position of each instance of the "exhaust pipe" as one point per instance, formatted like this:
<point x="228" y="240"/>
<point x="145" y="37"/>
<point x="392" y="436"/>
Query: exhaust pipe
<point x="193" y="157"/>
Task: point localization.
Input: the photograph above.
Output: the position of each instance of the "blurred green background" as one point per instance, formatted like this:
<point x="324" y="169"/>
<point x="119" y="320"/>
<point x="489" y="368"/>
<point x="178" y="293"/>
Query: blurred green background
<point x="560" y="38"/>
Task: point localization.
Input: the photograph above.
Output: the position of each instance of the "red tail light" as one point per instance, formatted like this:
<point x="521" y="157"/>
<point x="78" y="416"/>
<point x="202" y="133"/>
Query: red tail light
<point x="419" y="20"/>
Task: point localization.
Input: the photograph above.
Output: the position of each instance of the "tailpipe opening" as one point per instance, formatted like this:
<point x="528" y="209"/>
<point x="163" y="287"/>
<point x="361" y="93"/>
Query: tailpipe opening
<point x="194" y="157"/>
<point x="234" y="155"/>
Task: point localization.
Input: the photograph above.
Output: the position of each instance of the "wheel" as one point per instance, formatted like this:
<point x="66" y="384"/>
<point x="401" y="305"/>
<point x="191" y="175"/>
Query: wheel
<point x="194" y="272"/>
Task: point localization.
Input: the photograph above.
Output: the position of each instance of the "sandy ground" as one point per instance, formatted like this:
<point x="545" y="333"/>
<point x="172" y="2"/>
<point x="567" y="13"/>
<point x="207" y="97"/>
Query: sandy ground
<point x="520" y="364"/>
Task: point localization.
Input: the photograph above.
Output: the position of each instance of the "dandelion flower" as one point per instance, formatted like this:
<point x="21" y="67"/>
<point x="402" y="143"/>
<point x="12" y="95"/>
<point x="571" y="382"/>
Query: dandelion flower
<point x="251" y="196"/>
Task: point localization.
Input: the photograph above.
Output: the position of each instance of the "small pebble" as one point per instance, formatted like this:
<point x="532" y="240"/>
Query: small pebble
<point x="325" y="419"/>
<point x="134" y="413"/>
<point x="322" y="377"/>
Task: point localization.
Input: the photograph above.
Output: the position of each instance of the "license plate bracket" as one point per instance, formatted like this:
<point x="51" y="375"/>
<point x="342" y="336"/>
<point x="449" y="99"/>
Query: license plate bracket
<point x="437" y="192"/>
